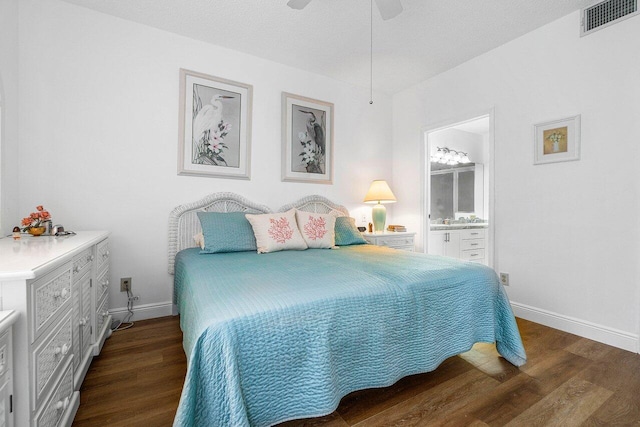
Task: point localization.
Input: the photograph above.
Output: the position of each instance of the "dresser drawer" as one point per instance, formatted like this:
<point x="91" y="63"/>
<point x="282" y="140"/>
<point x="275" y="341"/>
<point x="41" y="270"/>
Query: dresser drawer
<point x="102" y="314"/>
<point x="471" y="244"/>
<point x="4" y="357"/>
<point x="102" y="254"/>
<point x="85" y="320"/>
<point x="59" y="402"/>
<point x="102" y="285"/>
<point x="473" y="233"/>
<point x="82" y="263"/>
<point x="395" y="242"/>
<point x="50" y="355"/>
<point x="6" y="417"/>
<point x="404" y="241"/>
<point x="50" y="297"/>
<point x="473" y="255"/>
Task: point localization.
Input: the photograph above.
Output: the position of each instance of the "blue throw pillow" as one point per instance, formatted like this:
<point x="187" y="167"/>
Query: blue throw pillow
<point x="347" y="233"/>
<point x="226" y="232"/>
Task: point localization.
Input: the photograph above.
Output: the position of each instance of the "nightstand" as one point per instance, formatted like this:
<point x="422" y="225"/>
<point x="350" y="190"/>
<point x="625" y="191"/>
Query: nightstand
<point x="396" y="240"/>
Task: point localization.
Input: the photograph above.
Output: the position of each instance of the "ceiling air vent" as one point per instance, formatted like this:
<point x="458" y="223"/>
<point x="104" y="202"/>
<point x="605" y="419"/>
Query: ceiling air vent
<point x="606" y="13"/>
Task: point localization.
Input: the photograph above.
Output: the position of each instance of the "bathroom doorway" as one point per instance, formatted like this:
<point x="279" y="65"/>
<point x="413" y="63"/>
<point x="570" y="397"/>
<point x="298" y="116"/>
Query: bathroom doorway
<point x="459" y="220"/>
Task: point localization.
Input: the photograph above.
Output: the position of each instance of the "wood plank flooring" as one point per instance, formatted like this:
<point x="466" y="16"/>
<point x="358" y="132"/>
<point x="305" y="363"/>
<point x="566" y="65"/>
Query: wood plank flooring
<point x="567" y="381"/>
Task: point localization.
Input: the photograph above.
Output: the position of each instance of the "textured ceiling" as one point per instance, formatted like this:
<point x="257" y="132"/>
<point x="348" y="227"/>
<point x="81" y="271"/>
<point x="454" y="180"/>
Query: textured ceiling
<point x="332" y="37"/>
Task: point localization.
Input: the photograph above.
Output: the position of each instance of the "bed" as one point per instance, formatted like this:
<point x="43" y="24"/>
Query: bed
<point x="285" y="335"/>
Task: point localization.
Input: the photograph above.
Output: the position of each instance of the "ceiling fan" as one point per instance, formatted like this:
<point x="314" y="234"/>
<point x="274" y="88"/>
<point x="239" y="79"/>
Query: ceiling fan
<point x="388" y="8"/>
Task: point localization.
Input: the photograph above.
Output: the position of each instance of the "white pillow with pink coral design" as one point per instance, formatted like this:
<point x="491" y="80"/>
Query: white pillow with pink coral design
<point x="276" y="232"/>
<point x="318" y="230"/>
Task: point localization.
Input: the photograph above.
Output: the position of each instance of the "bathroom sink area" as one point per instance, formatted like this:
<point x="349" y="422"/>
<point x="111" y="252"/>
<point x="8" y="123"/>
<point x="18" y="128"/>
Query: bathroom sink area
<point x="459" y="226"/>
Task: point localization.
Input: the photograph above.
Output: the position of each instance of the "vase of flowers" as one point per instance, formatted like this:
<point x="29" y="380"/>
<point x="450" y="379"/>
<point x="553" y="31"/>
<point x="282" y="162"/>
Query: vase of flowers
<point x="36" y="223"/>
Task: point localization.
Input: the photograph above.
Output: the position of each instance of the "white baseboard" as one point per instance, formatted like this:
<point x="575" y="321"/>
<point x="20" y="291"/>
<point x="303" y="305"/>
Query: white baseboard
<point x="144" y="311"/>
<point x="583" y="328"/>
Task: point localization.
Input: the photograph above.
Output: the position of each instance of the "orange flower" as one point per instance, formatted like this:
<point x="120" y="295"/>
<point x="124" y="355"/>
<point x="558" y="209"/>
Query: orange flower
<point x="36" y="219"/>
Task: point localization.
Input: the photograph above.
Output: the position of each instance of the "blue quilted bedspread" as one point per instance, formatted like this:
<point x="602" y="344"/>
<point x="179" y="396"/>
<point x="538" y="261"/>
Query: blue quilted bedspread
<point x="286" y="335"/>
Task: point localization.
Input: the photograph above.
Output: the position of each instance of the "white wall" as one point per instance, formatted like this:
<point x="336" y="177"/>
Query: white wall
<point x="567" y="233"/>
<point x="99" y="133"/>
<point x="8" y="114"/>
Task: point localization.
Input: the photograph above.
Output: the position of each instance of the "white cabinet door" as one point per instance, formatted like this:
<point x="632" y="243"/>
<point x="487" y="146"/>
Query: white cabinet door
<point x="445" y="243"/>
<point x="436" y="242"/>
<point x="452" y="244"/>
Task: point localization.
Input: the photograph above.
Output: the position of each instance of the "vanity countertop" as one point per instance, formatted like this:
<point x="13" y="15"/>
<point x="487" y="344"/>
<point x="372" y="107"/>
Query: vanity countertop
<point x="458" y="226"/>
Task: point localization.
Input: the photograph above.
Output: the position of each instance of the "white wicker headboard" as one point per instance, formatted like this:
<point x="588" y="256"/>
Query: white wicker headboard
<point x="184" y="223"/>
<point x="316" y="204"/>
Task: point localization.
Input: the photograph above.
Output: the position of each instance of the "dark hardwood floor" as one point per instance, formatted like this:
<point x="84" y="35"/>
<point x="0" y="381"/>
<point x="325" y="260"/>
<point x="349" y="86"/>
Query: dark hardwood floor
<point x="567" y="381"/>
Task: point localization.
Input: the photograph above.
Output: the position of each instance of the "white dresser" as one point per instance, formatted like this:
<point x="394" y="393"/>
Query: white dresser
<point x="397" y="240"/>
<point x="7" y="319"/>
<point x="58" y="287"/>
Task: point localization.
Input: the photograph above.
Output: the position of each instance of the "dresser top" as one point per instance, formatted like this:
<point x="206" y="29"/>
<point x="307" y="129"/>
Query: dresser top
<point x="7" y="318"/>
<point x="19" y="259"/>
<point x="390" y="234"/>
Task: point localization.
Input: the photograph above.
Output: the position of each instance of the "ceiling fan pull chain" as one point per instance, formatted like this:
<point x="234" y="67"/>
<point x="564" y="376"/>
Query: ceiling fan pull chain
<point x="371" y="56"/>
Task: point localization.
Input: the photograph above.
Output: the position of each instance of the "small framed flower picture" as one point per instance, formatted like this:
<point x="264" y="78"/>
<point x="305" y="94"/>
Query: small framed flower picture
<point x="215" y="126"/>
<point x="557" y="141"/>
<point x="307" y="139"/>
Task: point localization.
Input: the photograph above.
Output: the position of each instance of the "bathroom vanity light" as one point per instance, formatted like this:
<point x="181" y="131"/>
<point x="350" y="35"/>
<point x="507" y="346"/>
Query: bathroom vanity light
<point x="446" y="156"/>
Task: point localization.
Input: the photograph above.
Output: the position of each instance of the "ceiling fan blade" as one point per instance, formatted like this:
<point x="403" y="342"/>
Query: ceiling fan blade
<point x="388" y="8"/>
<point x="298" y="4"/>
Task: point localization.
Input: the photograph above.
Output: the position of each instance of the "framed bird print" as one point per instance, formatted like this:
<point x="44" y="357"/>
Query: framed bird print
<point x="307" y="139"/>
<point x="215" y="126"/>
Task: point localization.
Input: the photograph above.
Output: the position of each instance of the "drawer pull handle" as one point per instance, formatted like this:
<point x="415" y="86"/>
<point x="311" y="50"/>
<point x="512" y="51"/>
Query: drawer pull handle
<point x="105" y="314"/>
<point x="61" y="350"/>
<point x="76" y="269"/>
<point x="474" y="244"/>
<point x="61" y="294"/>
<point x="62" y="405"/>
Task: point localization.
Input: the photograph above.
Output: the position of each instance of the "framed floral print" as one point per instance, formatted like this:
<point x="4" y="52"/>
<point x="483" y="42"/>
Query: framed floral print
<point x="215" y="126"/>
<point x="307" y="139"/>
<point x="557" y="141"/>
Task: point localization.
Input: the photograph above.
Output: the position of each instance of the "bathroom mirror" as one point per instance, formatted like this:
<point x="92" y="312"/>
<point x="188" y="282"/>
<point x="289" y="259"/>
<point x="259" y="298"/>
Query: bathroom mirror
<point x="456" y="191"/>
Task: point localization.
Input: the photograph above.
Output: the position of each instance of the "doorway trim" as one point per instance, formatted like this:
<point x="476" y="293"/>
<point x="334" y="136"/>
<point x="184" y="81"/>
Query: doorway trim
<point x="426" y="179"/>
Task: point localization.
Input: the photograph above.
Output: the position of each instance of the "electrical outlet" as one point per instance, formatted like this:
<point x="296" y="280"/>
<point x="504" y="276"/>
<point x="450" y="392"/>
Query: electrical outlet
<point x="504" y="279"/>
<point x="125" y="284"/>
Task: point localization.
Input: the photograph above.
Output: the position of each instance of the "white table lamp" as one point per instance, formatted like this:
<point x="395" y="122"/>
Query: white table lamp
<point x="379" y="193"/>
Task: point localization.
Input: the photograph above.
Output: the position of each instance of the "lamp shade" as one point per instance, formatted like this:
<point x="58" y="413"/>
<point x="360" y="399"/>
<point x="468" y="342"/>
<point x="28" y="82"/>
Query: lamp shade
<point x="379" y="192"/>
